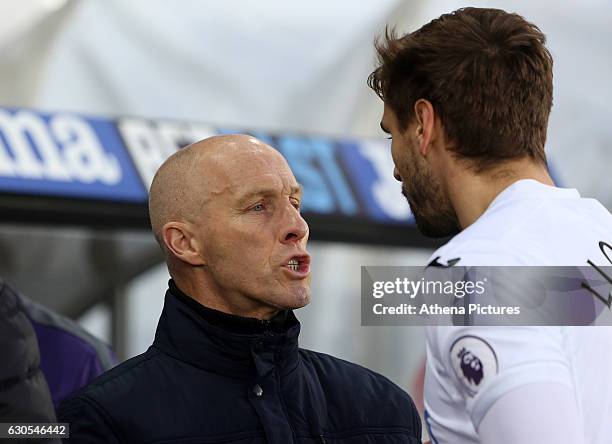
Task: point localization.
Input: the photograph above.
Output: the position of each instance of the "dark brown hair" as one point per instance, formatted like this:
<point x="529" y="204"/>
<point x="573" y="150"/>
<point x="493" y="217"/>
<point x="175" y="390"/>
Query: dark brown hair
<point x="487" y="74"/>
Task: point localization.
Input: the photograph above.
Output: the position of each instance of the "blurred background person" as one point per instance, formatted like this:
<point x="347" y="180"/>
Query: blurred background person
<point x="57" y="355"/>
<point x="24" y="394"/>
<point x="70" y="357"/>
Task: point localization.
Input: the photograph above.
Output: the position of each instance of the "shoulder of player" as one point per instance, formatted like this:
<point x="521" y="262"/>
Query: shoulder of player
<point x="496" y="236"/>
<point x="473" y="353"/>
<point x="475" y="251"/>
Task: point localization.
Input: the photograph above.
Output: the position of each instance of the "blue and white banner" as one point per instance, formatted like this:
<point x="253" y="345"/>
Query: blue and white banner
<point x="65" y="155"/>
<point x="69" y="155"/>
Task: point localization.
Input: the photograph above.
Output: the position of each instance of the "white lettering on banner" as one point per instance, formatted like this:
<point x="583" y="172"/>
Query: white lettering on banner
<point x="30" y="150"/>
<point x="145" y="147"/>
<point x="6" y="164"/>
<point x="150" y="143"/>
<point x="25" y="164"/>
<point x="175" y="135"/>
<point x="172" y="136"/>
<point x="85" y="157"/>
<point x="378" y="154"/>
<point x="53" y="167"/>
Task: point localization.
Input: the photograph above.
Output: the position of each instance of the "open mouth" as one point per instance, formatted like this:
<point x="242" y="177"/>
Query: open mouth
<point x="294" y="264"/>
<point x="298" y="263"/>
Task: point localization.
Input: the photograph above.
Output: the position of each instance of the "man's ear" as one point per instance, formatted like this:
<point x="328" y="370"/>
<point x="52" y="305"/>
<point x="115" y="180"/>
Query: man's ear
<point x="180" y="241"/>
<point x="425" y="124"/>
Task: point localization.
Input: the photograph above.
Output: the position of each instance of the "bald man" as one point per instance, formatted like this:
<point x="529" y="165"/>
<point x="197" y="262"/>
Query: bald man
<point x="225" y="366"/>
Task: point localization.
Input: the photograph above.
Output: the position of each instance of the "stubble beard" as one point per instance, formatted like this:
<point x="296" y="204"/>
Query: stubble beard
<point x="433" y="213"/>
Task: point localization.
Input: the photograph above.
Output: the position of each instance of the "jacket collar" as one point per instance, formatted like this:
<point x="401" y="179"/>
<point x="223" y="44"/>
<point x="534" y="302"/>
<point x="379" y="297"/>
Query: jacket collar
<point x="230" y="322"/>
<point x="225" y="344"/>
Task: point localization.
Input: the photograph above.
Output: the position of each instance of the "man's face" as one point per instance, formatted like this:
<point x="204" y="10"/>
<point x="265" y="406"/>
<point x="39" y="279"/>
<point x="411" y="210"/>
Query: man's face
<point x="421" y="185"/>
<point x="253" y="236"/>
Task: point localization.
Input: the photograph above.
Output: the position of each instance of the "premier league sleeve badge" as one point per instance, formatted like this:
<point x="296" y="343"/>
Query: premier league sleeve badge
<point x="474" y="363"/>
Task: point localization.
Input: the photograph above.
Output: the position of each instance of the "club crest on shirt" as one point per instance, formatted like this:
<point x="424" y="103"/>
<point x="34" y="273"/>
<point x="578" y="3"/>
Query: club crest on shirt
<point x="474" y="363"/>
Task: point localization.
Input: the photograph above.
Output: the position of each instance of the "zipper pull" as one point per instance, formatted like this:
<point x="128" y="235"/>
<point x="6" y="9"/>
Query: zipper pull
<point x="322" y="439"/>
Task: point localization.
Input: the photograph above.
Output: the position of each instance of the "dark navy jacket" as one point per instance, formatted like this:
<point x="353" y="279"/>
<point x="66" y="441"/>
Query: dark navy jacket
<point x="201" y="383"/>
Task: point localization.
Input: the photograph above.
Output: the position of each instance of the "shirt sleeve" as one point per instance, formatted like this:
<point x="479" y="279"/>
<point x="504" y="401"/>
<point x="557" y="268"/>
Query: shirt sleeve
<point x="541" y="413"/>
<point x="487" y="363"/>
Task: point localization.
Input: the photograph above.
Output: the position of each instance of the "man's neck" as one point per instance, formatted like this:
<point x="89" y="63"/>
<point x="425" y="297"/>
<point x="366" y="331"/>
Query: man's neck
<point x="231" y="322"/>
<point x="209" y="295"/>
<point x="471" y="194"/>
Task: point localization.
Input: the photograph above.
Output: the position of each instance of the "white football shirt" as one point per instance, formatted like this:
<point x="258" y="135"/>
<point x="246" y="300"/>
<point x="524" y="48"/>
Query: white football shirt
<point x="532" y="224"/>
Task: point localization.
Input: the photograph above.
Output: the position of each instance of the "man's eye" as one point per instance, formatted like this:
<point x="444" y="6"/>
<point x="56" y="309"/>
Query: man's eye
<point x="296" y="204"/>
<point x="259" y="207"/>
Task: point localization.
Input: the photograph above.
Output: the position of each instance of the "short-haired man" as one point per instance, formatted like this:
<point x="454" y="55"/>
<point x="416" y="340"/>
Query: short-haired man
<point x="225" y="366"/>
<point x="467" y="99"/>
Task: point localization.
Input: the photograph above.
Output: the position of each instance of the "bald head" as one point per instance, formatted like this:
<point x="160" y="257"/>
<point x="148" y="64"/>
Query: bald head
<point x="189" y="180"/>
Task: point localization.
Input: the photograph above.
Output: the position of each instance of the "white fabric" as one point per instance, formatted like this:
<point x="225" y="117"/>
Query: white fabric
<point x="524" y="406"/>
<point x="527" y="224"/>
<point x="270" y="65"/>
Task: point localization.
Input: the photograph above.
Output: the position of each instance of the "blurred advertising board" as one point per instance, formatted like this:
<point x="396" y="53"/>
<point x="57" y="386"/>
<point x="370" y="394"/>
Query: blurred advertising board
<point x="86" y="170"/>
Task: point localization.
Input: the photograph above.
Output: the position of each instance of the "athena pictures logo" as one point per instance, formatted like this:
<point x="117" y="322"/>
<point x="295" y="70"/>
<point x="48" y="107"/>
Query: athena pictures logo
<point x="474" y="363"/>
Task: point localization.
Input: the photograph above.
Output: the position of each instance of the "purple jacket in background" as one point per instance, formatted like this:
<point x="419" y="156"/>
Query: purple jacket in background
<point x="70" y="358"/>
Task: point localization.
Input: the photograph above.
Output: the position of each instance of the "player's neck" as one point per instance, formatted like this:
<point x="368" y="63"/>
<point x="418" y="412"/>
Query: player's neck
<point x="471" y="194"/>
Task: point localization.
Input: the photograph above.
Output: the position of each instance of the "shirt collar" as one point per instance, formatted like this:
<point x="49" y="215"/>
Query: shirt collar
<point x="532" y="189"/>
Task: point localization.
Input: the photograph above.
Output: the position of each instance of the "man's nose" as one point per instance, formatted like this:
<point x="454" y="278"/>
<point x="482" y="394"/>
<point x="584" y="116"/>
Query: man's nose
<point x="295" y="227"/>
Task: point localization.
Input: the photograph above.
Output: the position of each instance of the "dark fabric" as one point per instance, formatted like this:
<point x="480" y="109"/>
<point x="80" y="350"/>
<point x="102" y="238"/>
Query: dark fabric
<point x="229" y="322"/>
<point x="70" y="358"/>
<point x="24" y="394"/>
<point x="200" y="383"/>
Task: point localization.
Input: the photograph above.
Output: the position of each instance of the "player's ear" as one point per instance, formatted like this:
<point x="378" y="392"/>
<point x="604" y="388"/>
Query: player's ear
<point x="425" y="123"/>
<point x="180" y="241"/>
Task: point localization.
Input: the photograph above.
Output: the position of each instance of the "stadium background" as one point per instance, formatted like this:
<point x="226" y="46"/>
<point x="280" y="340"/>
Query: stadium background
<point x="293" y="72"/>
